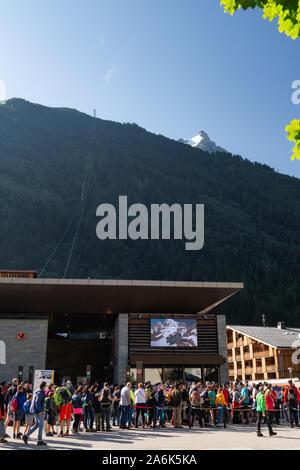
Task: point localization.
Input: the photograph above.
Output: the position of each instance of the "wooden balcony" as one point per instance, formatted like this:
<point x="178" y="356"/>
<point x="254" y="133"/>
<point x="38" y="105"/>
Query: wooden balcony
<point x="259" y="354"/>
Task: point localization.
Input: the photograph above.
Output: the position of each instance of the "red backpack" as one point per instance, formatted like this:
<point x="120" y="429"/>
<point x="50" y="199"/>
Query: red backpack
<point x="13" y="406"/>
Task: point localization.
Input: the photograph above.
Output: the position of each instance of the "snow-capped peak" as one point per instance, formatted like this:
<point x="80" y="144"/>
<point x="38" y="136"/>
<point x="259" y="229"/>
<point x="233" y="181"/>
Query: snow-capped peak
<point x="203" y="142"/>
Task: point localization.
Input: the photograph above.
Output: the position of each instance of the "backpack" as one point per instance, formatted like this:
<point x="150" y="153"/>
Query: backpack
<point x="63" y="395"/>
<point x="195" y="399"/>
<point x="13" y="406"/>
<point x="291" y="396"/>
<point x="104" y="400"/>
<point x="176" y="395"/>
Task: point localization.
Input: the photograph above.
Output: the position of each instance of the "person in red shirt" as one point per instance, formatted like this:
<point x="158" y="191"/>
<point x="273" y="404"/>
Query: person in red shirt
<point x="291" y="397"/>
<point x="286" y="391"/>
<point x="270" y="406"/>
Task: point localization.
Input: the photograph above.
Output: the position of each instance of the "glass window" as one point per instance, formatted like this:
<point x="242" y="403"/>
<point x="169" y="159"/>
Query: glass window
<point x="154" y="376"/>
<point x="132" y="376"/>
<point x="211" y="374"/>
<point x="20" y="373"/>
<point x="172" y="374"/>
<point x="193" y="374"/>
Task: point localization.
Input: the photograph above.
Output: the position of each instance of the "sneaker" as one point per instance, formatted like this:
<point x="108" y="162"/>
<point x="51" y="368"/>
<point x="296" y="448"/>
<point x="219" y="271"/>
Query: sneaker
<point x="49" y="434"/>
<point x="3" y="441"/>
<point x="87" y="430"/>
<point x="19" y="435"/>
<point x="6" y="436"/>
<point x="25" y="439"/>
<point x="61" y="434"/>
<point x="41" y="443"/>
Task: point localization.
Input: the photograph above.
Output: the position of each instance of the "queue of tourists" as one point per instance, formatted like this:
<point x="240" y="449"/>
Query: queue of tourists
<point x="62" y="410"/>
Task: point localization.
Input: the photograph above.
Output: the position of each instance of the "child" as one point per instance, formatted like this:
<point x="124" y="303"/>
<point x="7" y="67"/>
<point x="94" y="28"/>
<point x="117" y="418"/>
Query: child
<point x="28" y="415"/>
<point x="50" y="410"/>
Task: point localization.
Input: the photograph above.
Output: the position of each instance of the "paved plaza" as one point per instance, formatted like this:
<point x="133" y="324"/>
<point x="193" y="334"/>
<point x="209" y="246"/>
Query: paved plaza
<point x="212" y="438"/>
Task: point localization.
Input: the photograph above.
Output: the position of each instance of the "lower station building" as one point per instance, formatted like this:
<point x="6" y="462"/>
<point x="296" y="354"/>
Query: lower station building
<point x="87" y="330"/>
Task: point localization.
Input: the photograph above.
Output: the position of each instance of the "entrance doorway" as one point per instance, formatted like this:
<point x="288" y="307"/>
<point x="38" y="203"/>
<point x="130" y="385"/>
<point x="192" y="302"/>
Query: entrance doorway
<point x="80" y="347"/>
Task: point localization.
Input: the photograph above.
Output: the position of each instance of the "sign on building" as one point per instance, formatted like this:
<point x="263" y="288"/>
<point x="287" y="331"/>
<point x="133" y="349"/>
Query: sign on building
<point x="42" y="375"/>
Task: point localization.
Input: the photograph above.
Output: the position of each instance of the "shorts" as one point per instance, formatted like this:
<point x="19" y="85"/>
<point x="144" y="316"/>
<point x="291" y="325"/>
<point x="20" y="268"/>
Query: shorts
<point x="18" y="415"/>
<point x="29" y="419"/>
<point x="50" y="419"/>
<point x="65" y="412"/>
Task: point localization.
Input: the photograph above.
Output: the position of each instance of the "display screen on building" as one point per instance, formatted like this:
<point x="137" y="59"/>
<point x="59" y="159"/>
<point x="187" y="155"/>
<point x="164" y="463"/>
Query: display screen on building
<point x="172" y="333"/>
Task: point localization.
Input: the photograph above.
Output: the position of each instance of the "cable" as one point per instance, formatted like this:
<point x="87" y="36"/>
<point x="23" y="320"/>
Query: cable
<point x="57" y="246"/>
<point x="81" y="205"/>
<point x="83" y="193"/>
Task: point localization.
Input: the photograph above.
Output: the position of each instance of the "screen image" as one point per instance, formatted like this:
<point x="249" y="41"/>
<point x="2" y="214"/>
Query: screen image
<point x="173" y="333"/>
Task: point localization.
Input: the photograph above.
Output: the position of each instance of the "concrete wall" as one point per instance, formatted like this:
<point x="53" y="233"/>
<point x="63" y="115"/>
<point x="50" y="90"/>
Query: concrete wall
<point x="222" y="347"/>
<point x="27" y="352"/>
<point x="121" y="349"/>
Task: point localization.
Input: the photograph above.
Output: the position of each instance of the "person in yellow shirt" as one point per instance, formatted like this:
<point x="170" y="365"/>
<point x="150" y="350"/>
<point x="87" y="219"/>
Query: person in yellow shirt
<point x="220" y="404"/>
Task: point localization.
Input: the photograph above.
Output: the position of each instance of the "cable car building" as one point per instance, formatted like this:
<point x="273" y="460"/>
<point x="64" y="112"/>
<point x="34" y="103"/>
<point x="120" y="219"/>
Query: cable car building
<point x="115" y="330"/>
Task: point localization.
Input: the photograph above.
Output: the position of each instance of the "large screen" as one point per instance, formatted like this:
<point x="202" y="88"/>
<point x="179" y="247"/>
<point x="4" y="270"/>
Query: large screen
<point x="170" y="333"/>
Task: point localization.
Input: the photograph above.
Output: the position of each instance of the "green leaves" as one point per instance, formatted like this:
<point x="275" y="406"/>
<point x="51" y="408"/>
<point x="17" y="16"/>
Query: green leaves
<point x="288" y="14"/>
<point x="293" y="131"/>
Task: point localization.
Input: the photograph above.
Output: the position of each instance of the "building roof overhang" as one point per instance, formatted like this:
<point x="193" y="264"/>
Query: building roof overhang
<point x="77" y="296"/>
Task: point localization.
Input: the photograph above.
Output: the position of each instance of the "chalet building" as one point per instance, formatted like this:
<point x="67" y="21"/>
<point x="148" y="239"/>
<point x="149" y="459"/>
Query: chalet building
<point x="262" y="353"/>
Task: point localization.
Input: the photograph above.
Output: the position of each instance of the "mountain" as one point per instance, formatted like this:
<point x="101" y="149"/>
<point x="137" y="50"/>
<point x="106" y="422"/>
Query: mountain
<point x="252" y="213"/>
<point x="203" y="142"/>
<point x="172" y="333"/>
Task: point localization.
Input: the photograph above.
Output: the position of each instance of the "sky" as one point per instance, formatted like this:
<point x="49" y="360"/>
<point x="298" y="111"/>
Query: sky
<point x="174" y="67"/>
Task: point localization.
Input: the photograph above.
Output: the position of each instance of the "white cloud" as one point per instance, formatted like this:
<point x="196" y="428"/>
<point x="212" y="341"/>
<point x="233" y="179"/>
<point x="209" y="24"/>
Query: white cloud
<point x="110" y="72"/>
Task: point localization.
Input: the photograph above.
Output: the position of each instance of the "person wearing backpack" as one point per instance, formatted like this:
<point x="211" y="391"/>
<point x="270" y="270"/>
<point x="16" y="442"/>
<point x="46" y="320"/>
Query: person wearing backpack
<point x="38" y="409"/>
<point x="88" y="410"/>
<point x="16" y="406"/>
<point x="105" y="401"/>
<point x="176" y="403"/>
<point x="196" y="410"/>
<point x="291" y="398"/>
<point x="161" y="400"/>
<point x="12" y="390"/>
<point x="50" y="410"/>
<point x="63" y="401"/>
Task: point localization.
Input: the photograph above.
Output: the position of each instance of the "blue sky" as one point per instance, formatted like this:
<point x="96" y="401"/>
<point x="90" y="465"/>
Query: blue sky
<point x="174" y="67"/>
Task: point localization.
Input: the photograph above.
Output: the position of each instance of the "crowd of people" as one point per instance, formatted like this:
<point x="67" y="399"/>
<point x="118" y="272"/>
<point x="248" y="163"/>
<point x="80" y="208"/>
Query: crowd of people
<point x="61" y="410"/>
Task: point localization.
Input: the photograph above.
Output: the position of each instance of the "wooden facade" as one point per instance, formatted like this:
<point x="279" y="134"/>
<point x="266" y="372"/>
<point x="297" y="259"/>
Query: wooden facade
<point x="250" y="359"/>
<point x="4" y="273"/>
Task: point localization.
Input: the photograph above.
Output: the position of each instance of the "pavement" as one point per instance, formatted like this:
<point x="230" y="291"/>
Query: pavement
<point x="234" y="437"/>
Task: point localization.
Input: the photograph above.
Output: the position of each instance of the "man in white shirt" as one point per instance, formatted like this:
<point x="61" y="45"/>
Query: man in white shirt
<point x="125" y="405"/>
<point x="140" y="403"/>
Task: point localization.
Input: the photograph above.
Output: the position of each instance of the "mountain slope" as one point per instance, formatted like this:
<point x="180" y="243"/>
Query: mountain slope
<point x="252" y="214"/>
